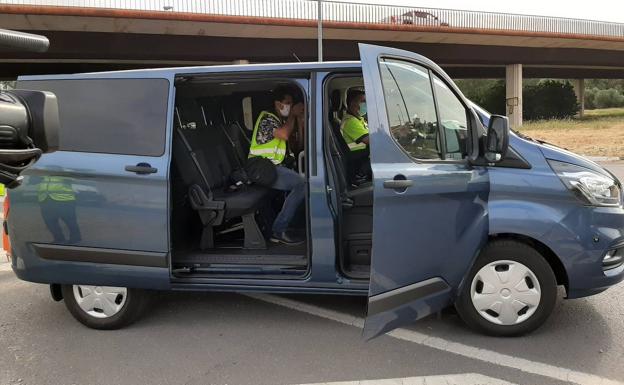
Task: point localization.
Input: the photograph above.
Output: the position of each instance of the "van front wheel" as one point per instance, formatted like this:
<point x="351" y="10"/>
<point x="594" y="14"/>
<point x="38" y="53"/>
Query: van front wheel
<point x="511" y="290"/>
<point x="104" y="307"/>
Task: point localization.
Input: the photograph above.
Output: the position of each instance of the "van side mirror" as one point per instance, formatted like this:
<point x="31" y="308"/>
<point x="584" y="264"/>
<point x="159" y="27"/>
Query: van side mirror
<point x="497" y="138"/>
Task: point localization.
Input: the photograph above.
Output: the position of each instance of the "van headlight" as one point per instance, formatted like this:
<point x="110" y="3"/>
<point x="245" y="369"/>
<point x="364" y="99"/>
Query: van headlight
<point x="593" y="188"/>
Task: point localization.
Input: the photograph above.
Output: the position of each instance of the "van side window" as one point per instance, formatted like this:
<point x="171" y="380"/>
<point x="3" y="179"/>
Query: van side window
<point x="453" y="119"/>
<point x="113" y="116"/>
<point x="411" y="108"/>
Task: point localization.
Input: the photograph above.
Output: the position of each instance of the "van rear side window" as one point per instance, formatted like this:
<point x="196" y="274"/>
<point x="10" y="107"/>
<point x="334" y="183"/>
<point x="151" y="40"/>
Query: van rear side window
<point x="114" y="116"/>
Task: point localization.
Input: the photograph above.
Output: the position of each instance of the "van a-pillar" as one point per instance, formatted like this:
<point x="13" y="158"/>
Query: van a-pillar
<point x="513" y="94"/>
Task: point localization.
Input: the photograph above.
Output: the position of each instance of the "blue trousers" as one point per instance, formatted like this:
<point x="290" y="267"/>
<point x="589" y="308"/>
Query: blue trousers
<point x="293" y="183"/>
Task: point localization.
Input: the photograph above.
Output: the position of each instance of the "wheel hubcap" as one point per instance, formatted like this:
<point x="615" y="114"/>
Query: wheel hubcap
<point x="505" y="292"/>
<point x="100" y="301"/>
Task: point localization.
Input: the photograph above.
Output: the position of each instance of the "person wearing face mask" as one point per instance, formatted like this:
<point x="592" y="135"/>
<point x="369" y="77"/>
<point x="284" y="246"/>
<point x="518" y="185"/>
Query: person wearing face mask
<point x="354" y="130"/>
<point x="270" y="137"/>
<point x="353" y="127"/>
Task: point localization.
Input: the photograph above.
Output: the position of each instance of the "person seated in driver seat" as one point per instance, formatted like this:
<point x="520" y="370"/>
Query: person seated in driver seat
<point x="269" y="140"/>
<point x="354" y="129"/>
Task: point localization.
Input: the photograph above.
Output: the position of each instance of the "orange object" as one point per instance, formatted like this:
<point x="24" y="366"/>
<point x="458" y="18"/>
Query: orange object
<point x="6" y="243"/>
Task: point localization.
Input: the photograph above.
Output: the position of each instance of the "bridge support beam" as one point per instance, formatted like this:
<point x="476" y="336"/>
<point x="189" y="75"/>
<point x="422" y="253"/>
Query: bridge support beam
<point x="579" y="90"/>
<point x="513" y="94"/>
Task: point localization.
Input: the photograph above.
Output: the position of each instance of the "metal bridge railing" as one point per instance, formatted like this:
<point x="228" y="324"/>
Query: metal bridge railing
<point x="355" y="13"/>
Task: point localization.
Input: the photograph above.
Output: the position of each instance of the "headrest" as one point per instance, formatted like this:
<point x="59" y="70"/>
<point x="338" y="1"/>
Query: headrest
<point x="335" y="102"/>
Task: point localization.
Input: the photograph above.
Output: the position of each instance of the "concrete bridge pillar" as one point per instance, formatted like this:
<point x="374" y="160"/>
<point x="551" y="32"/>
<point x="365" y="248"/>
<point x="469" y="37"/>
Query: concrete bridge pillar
<point x="579" y="90"/>
<point x="513" y="92"/>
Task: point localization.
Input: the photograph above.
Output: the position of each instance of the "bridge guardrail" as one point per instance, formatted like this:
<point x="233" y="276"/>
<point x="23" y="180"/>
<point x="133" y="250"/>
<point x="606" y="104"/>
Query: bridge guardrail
<point x="333" y="11"/>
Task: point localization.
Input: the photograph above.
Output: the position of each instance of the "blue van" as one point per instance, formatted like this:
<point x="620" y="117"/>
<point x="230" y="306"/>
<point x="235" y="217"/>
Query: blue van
<point x="459" y="210"/>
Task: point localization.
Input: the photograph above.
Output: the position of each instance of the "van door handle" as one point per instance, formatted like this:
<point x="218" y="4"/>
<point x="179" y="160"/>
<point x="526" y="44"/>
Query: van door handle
<point x="142" y="168"/>
<point x="398" y="184"/>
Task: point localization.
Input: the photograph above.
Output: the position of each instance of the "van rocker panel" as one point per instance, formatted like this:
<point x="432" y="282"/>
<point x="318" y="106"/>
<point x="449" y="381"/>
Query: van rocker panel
<point x="101" y="255"/>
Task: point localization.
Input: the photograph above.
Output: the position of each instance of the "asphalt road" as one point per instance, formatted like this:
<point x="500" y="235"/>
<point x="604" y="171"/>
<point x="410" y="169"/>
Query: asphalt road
<point x="224" y="338"/>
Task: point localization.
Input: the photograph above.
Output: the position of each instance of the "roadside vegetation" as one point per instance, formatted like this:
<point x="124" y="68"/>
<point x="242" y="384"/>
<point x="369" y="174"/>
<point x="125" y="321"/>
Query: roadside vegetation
<point x="550" y="108"/>
<point x="599" y="133"/>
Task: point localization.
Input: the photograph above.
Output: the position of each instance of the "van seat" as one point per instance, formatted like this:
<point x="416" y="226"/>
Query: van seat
<point x="204" y="158"/>
<point x="361" y="195"/>
<point x="350" y="195"/>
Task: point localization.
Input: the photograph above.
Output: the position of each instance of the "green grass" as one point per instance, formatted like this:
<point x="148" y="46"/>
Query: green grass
<point x="604" y="112"/>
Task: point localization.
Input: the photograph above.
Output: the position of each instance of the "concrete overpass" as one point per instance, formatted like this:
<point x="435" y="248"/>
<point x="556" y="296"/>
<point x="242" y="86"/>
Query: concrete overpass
<point x="135" y="34"/>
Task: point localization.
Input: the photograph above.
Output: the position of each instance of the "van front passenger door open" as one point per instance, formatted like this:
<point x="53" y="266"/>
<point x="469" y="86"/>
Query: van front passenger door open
<point x="430" y="205"/>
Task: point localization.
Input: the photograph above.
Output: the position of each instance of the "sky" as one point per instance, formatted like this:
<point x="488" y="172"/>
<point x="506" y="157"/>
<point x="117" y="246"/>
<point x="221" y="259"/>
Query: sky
<point x="602" y="10"/>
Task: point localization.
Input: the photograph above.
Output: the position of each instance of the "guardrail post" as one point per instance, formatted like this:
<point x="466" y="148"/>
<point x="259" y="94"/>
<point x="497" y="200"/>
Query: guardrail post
<point x="513" y="92"/>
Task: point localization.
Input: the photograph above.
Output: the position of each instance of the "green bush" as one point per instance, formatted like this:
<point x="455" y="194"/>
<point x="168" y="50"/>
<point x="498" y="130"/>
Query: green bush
<point x="590" y="97"/>
<point x="542" y="99"/>
<point x="549" y="99"/>
<point x="488" y="93"/>
<point x="607" y="98"/>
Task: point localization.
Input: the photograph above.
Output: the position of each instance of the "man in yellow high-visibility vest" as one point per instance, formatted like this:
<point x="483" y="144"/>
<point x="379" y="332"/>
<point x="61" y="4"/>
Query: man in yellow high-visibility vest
<point x="269" y="140"/>
<point x="354" y="129"/>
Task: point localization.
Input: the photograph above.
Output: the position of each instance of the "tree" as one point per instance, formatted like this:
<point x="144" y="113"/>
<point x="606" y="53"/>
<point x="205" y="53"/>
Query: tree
<point x="549" y="99"/>
<point x="488" y="93"/>
<point x="608" y="98"/>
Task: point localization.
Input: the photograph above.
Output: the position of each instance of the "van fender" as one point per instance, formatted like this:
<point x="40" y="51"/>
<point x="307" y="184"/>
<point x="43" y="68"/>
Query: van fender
<point x="526" y="220"/>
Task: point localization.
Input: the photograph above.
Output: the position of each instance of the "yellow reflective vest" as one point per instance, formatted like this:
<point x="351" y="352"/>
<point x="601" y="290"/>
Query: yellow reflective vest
<point x="274" y="150"/>
<point x="56" y="188"/>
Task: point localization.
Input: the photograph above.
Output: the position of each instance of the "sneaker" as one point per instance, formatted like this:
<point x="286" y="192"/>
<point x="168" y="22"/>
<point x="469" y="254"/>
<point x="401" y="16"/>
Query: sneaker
<point x="287" y="238"/>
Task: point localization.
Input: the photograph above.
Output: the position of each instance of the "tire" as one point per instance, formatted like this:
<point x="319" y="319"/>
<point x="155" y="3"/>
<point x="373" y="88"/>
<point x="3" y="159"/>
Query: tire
<point x="489" y="286"/>
<point x="123" y="309"/>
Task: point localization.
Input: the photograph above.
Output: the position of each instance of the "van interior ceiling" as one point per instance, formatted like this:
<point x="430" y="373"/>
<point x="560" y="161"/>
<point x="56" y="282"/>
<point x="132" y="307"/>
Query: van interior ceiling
<point x="220" y="227"/>
<point x="354" y="190"/>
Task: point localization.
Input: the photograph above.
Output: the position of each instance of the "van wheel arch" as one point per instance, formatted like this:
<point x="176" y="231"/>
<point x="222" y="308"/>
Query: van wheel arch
<point x="553" y="260"/>
<point x="56" y="292"/>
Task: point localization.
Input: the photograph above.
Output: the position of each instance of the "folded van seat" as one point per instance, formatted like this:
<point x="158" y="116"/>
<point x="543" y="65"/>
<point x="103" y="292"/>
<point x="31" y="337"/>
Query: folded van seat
<point x="205" y="158"/>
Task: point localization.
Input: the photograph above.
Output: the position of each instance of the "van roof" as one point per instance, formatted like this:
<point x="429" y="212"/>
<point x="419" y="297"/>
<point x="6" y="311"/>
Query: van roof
<point x="160" y="72"/>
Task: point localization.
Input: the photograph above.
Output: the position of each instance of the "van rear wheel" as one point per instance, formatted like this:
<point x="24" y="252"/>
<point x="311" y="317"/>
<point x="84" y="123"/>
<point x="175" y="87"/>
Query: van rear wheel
<point x="511" y="290"/>
<point x="104" y="307"/>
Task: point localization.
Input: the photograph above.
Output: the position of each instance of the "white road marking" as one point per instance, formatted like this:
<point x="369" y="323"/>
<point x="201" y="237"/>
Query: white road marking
<point x="488" y="356"/>
<point x="5" y="266"/>
<point x="453" y="379"/>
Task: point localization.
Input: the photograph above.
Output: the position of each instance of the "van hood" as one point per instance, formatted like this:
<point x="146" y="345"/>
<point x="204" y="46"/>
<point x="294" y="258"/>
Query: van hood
<point x="553" y="152"/>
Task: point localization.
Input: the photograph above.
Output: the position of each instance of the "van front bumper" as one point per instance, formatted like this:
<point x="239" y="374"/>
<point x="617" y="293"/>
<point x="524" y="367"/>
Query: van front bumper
<point x="596" y="233"/>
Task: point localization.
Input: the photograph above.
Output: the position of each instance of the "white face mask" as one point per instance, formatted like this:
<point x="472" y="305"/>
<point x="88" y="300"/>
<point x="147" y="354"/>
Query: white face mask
<point x="285" y="110"/>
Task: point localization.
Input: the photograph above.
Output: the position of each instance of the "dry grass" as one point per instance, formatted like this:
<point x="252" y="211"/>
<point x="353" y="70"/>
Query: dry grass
<point x="599" y="133"/>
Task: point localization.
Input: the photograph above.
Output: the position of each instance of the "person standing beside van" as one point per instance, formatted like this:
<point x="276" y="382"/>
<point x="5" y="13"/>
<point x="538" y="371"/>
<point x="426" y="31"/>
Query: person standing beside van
<point x="270" y="140"/>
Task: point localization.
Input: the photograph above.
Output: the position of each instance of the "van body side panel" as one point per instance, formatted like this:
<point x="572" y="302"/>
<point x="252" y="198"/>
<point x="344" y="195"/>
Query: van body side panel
<point x="82" y="217"/>
<point x="113" y="208"/>
<point x="535" y="204"/>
